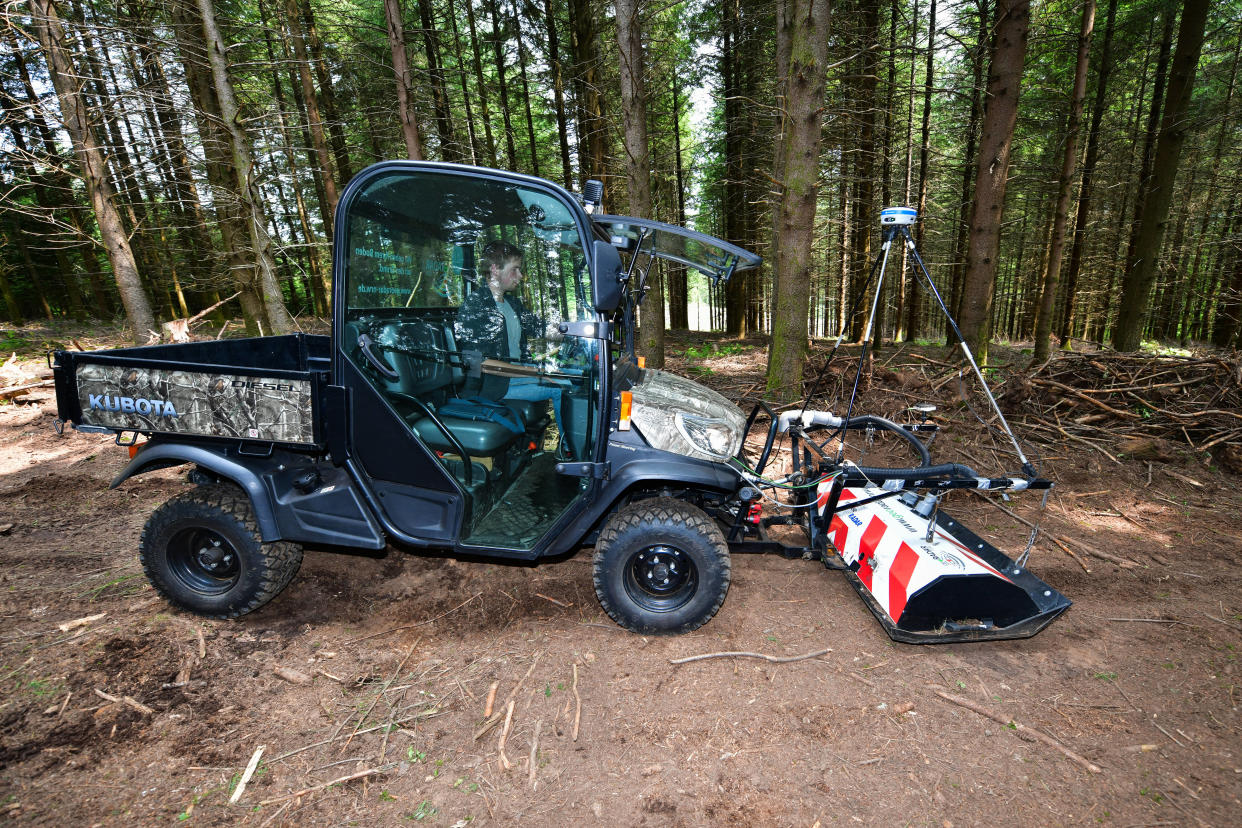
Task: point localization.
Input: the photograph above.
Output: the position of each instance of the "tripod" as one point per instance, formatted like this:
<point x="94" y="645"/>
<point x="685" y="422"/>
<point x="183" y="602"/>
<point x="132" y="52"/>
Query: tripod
<point x="895" y="223"/>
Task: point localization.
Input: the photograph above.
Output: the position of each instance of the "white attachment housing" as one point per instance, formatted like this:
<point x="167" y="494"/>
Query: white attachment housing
<point x="898" y="215"/>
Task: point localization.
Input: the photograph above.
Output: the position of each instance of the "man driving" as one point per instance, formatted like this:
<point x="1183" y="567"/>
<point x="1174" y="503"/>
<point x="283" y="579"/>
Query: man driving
<point x="495" y="321"/>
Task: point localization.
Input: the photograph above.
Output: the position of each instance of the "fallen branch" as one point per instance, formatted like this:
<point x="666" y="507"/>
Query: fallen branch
<point x="1020" y="729"/>
<point x="491" y="699"/>
<point x="504" y="737"/>
<point x="773" y="659"/>
<point x="382" y="691"/>
<point x="1148" y="620"/>
<point x="292" y="676"/>
<point x="247" y="773"/>
<point x="1223" y="621"/>
<point x="79" y="622"/>
<point x="420" y="715"/>
<point x="320" y="787"/>
<point x="128" y="701"/>
<point x="554" y="600"/>
<point x="534" y="751"/>
<point x="513" y="693"/>
<point x="17" y="391"/>
<point x="1125" y="563"/>
<point x="322" y="672"/>
<point x="577" y="705"/>
<point x="491" y="722"/>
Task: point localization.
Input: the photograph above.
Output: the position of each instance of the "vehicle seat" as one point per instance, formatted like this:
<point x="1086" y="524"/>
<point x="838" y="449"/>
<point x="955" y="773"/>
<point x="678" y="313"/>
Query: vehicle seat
<point x="479" y="438"/>
<point x="535" y="415"/>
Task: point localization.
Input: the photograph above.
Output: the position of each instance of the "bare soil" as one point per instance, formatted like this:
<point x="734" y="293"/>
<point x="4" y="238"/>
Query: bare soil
<point x="400" y="652"/>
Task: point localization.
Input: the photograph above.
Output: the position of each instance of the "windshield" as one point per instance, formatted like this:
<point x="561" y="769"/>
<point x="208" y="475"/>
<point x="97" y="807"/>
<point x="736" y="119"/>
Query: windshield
<point x="711" y="256"/>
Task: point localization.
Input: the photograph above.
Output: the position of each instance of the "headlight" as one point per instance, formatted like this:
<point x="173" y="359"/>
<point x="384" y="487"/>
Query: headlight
<point x="708" y="435"/>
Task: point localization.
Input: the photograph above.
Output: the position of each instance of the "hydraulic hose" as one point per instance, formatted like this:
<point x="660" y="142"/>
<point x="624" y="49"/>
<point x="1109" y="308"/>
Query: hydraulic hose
<point x="874" y="421"/>
<point x="942" y="470"/>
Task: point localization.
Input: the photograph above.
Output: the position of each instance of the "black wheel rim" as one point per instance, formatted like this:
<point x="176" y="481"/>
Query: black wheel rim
<point x="204" y="561"/>
<point x="661" y="578"/>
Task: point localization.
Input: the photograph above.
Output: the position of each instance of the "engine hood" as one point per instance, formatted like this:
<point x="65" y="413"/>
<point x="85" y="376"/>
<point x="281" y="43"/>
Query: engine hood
<point x="670" y="411"/>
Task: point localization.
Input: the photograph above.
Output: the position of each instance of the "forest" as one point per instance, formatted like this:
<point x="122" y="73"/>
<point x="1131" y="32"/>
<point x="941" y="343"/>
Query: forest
<point x="1075" y="165"/>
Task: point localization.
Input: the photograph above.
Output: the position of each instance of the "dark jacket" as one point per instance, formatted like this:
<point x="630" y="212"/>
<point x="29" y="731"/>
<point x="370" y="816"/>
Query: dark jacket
<point x="481" y="325"/>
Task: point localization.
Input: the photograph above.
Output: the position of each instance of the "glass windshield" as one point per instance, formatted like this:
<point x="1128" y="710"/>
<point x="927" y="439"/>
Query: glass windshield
<point x="706" y="254"/>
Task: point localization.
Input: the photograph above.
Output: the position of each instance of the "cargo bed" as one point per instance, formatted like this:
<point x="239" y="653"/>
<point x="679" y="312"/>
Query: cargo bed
<point x="265" y="390"/>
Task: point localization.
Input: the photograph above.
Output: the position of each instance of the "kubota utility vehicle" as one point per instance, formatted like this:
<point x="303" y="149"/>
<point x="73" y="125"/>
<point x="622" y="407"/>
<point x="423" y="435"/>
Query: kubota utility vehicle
<point x="479" y="395"/>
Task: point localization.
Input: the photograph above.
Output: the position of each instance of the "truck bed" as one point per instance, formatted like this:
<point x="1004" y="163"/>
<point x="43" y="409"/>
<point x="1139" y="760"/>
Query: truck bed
<point x="265" y="390"/>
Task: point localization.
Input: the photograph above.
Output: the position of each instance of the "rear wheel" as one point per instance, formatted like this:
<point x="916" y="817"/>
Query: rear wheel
<point x="661" y="566"/>
<point x="202" y="550"/>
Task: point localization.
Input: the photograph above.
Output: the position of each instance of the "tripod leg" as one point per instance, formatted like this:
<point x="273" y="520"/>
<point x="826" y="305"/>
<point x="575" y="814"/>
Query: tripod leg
<point x="876" y="265"/>
<point x="882" y="262"/>
<point x="970" y="357"/>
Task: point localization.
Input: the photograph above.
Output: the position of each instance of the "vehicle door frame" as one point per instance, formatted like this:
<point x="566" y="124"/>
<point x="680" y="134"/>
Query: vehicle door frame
<point x="444" y="487"/>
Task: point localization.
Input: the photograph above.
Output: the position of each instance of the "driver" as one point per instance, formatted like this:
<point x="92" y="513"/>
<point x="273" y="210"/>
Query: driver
<point x="495" y="321"/>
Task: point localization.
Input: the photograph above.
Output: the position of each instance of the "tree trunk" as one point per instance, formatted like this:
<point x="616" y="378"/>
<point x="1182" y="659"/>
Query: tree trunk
<point x="498" y="51"/>
<point x="735" y="293"/>
<point x="914" y="320"/>
<point x="439" y="89"/>
<point x="1158" y="195"/>
<point x="638" y="165"/>
<point x="1088" y="179"/>
<point x="1229" y="315"/>
<point x="968" y="167"/>
<point x="293" y="18"/>
<point x="678" y="288"/>
<point x="327" y="97"/>
<point x="807" y="24"/>
<point x="249" y="200"/>
<point x="51" y="35"/>
<point x="558" y="93"/>
<point x="401" y="74"/>
<point x="530" y="118"/>
<point x="482" y="87"/>
<point x="592" y="130"/>
<point x="321" y="284"/>
<point x="1052" y="271"/>
<point x="1227" y="126"/>
<point x="10" y="301"/>
<point x="991" y="174"/>
<point x="864" y="175"/>
<point x="472" y="131"/>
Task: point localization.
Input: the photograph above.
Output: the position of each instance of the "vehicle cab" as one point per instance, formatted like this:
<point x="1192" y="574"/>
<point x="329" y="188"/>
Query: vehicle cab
<point x="483" y="348"/>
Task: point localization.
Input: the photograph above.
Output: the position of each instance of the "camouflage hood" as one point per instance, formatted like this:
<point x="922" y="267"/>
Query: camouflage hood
<point x="679" y="415"/>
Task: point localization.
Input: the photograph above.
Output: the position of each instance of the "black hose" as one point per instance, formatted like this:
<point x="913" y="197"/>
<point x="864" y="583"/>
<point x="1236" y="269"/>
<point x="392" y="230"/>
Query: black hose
<point x="877" y="474"/>
<point x="873" y="421"/>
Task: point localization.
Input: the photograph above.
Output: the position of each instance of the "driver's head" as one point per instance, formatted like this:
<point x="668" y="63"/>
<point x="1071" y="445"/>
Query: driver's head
<point x="503" y="264"/>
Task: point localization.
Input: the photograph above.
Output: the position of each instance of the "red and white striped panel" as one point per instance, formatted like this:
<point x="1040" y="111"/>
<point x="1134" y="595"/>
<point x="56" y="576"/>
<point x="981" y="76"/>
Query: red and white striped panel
<point x="885" y="539"/>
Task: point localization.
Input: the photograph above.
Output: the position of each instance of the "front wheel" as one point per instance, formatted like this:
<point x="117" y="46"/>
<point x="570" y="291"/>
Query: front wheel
<point x="661" y="566"/>
<point x="202" y="551"/>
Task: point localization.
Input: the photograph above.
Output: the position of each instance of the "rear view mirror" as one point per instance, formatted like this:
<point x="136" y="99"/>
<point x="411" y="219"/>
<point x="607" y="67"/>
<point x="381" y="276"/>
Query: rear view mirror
<point x="606" y="286"/>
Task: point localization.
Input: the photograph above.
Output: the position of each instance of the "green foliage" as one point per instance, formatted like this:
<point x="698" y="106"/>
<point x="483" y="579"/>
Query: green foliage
<point x="715" y="349"/>
<point x="425" y="810"/>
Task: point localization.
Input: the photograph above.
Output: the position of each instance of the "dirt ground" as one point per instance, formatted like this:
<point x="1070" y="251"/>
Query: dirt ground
<point x="147" y="715"/>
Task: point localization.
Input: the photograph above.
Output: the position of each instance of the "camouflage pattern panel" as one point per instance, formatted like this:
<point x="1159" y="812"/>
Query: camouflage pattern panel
<point x="125" y="398"/>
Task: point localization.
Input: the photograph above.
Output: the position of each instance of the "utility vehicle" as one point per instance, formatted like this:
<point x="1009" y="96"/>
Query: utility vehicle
<point x="407" y="427"/>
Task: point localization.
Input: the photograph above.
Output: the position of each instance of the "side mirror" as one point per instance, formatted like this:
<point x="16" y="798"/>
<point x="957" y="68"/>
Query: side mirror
<point x="606" y="285"/>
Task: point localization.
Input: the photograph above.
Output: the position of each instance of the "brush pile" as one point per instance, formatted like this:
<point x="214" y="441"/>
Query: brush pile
<point x="1144" y="405"/>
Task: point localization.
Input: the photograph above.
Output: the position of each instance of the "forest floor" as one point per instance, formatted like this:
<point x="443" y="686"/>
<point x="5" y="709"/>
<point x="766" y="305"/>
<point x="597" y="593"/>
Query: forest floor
<point x="146" y="715"/>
